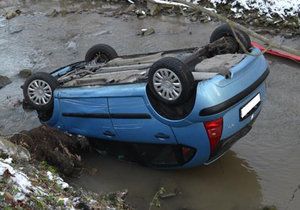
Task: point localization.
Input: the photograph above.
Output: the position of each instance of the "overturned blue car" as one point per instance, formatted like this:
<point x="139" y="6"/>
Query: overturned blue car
<point x="176" y="108"/>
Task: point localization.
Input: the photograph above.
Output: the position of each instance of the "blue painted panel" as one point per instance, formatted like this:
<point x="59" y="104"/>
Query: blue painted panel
<point x="90" y="127"/>
<point x="195" y="136"/>
<point x="138" y="130"/>
<point x="231" y="118"/>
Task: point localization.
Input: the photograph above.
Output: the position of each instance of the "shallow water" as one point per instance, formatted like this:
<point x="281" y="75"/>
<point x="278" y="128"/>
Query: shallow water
<point x="261" y="169"/>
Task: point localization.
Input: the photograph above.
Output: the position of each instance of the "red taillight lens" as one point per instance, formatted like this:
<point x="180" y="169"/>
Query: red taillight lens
<point x="214" y="131"/>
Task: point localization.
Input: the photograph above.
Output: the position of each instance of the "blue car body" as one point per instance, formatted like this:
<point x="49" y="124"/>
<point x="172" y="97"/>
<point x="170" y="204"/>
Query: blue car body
<point x="124" y="112"/>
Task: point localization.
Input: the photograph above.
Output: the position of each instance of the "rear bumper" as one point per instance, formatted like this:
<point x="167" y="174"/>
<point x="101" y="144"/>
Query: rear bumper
<point x="226" y="144"/>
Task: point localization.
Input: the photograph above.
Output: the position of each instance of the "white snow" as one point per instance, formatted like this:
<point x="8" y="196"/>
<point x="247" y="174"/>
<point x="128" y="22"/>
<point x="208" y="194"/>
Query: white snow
<point x="65" y="200"/>
<point x="283" y="8"/>
<point x="58" y="180"/>
<point x="50" y="175"/>
<point x="19" y="197"/>
<point x="18" y="177"/>
<point x="8" y="160"/>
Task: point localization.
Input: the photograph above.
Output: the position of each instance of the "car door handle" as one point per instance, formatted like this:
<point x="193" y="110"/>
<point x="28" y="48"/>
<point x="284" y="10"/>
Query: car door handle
<point x="162" y="136"/>
<point x="109" y="133"/>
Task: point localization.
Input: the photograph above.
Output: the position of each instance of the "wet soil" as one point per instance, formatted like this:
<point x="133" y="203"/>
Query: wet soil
<point x="261" y="169"/>
<point x="56" y="148"/>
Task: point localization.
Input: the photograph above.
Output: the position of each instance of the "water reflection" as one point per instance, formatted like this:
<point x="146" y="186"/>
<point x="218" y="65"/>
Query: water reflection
<point x="227" y="184"/>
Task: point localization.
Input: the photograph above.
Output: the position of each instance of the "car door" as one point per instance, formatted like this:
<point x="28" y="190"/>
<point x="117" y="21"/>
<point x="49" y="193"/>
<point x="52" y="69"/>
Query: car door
<point x="87" y="116"/>
<point x="133" y="122"/>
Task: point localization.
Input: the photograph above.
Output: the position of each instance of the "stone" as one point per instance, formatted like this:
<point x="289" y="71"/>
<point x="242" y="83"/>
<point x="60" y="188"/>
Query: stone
<point x="13" y="29"/>
<point x="10" y="15"/>
<point x="25" y="73"/>
<point x="4" y="81"/>
<point x="52" y="13"/>
<point x="17" y="152"/>
<point x="72" y="47"/>
<point x="146" y="31"/>
<point x="153" y="8"/>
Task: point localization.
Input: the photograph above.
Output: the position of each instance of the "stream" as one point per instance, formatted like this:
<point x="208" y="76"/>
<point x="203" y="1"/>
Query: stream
<point x="261" y="169"/>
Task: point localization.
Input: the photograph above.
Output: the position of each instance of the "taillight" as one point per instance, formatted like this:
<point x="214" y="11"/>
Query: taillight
<point x="214" y="131"/>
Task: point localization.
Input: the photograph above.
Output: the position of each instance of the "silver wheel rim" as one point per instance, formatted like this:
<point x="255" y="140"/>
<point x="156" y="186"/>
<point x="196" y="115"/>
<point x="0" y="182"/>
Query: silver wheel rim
<point x="167" y="84"/>
<point x="39" y="92"/>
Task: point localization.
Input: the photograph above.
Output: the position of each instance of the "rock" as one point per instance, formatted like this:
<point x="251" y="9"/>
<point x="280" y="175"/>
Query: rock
<point x="72" y="47"/>
<point x="140" y="13"/>
<point x="15" y="29"/>
<point x="146" y="31"/>
<point x="153" y="8"/>
<point x="25" y="73"/>
<point x="4" y="81"/>
<point x="269" y="207"/>
<point x="17" y="152"/>
<point x="130" y="8"/>
<point x="11" y="14"/>
<point x="53" y="13"/>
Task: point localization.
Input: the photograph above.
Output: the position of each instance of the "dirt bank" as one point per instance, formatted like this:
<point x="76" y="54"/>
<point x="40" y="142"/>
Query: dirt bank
<point x="56" y="148"/>
<point x="33" y="181"/>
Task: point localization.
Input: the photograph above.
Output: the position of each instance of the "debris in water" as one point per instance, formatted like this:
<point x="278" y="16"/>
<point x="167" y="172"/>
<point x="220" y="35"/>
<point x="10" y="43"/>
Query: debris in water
<point x="25" y="73"/>
<point x="4" y="81"/>
<point x="11" y="14"/>
<point x="72" y="47"/>
<point x="53" y="13"/>
<point x="146" y="31"/>
<point x="140" y="13"/>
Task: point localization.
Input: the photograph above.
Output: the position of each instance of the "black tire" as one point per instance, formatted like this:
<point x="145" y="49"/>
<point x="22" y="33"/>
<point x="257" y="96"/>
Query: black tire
<point x="178" y="68"/>
<point x="103" y="51"/>
<point x="224" y="30"/>
<point x="28" y="93"/>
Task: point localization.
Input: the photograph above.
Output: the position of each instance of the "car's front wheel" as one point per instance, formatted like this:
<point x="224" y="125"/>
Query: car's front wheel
<point x="170" y="80"/>
<point x="38" y="91"/>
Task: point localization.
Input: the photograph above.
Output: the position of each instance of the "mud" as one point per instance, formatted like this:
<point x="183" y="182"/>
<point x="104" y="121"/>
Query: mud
<point x="261" y="169"/>
<point x="56" y="148"/>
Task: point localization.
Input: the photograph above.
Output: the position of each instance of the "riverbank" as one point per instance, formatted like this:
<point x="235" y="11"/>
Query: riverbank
<point x="28" y="182"/>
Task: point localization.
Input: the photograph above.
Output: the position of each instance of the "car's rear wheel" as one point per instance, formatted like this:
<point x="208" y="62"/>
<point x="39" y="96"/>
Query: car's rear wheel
<point x="170" y="80"/>
<point x="226" y="31"/>
<point x="100" y="53"/>
<point x="38" y="91"/>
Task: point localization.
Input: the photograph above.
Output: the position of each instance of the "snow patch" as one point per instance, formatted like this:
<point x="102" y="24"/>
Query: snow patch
<point x="58" y="180"/>
<point x="283" y="8"/>
<point x="18" y="177"/>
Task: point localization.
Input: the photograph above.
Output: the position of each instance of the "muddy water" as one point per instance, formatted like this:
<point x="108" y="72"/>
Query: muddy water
<point x="261" y="169"/>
